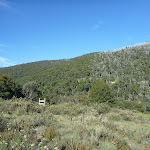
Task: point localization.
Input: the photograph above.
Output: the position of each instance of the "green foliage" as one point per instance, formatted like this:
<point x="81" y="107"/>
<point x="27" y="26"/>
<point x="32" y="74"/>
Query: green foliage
<point x="74" y="144"/>
<point x="3" y="123"/>
<point x="100" y="92"/>
<point x="126" y="71"/>
<point x="18" y="91"/>
<point x="7" y="87"/>
<point x="30" y="90"/>
<point x="102" y="108"/>
<point x="132" y="105"/>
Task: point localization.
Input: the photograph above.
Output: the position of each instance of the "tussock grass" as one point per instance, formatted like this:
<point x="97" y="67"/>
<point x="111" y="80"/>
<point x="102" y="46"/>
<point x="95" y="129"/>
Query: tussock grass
<point x="70" y="126"/>
<point x="3" y="123"/>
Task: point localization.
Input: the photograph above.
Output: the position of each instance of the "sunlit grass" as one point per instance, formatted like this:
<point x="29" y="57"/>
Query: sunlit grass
<point x="72" y="126"/>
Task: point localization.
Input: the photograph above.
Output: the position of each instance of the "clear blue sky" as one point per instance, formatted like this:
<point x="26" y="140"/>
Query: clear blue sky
<point x="34" y="30"/>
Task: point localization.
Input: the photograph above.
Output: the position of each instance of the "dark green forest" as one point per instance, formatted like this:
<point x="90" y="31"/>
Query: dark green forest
<point x="126" y="72"/>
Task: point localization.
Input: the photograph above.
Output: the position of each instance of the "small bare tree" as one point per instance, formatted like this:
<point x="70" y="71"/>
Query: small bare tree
<point x="30" y="90"/>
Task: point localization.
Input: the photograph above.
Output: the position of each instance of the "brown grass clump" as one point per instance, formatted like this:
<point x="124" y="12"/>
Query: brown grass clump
<point x="49" y="134"/>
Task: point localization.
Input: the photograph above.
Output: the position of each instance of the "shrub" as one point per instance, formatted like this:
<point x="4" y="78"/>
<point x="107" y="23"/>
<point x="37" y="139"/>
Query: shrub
<point x="44" y="119"/>
<point x="74" y="144"/>
<point x="102" y="108"/>
<point x="7" y="87"/>
<point x="3" y="123"/>
<point x="49" y="133"/>
<point x="131" y="105"/>
<point x="100" y="92"/>
<point x="30" y="90"/>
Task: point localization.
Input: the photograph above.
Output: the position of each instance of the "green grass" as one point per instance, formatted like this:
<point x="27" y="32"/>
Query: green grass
<point x="69" y="126"/>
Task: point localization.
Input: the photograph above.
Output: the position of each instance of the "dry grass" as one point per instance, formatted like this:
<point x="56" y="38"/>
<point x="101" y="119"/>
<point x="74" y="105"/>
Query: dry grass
<point x="70" y="126"/>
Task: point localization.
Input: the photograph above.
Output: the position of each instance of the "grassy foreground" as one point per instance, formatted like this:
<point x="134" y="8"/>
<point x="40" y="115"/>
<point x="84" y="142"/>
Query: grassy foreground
<point x="25" y="125"/>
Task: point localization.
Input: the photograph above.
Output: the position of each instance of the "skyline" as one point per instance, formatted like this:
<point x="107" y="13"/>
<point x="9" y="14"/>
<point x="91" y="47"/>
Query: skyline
<point x="35" y="30"/>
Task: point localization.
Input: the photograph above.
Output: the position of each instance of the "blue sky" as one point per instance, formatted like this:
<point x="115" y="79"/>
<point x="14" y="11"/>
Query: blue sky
<point x="34" y="30"/>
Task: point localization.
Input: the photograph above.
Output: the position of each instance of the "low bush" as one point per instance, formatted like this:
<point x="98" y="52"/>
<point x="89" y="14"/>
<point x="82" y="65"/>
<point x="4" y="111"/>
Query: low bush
<point x="3" y="123"/>
<point x="49" y="133"/>
<point x="74" y="144"/>
<point x="102" y="108"/>
<point x="131" y="105"/>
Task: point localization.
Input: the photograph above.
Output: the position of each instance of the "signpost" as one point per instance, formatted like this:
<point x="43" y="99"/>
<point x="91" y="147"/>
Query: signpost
<point x="42" y="102"/>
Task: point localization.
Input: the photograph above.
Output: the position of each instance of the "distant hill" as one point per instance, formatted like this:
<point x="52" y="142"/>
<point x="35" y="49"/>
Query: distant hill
<point x="23" y="70"/>
<point x="126" y="70"/>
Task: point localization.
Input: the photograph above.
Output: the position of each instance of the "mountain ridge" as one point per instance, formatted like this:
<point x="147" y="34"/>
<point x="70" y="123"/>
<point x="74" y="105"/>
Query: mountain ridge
<point x="67" y="59"/>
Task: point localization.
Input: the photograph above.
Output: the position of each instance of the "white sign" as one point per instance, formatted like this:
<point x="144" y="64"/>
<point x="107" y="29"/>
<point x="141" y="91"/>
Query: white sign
<point x="42" y="102"/>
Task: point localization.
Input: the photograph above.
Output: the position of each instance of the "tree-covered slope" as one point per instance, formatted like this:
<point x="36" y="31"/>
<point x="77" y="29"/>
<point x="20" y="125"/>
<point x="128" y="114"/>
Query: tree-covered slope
<point x="23" y="70"/>
<point x="126" y="71"/>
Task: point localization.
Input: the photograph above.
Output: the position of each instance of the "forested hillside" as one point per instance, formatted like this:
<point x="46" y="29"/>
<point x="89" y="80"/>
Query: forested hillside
<point x="28" y="69"/>
<point x="126" y="71"/>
